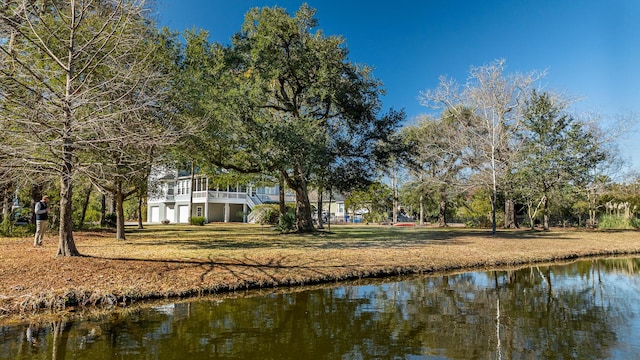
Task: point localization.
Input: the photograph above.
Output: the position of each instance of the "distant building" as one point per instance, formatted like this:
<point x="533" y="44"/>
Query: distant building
<point x="169" y="201"/>
<point x="334" y="210"/>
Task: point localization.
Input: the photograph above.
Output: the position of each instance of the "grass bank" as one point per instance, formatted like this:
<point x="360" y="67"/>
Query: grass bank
<point x="171" y="261"/>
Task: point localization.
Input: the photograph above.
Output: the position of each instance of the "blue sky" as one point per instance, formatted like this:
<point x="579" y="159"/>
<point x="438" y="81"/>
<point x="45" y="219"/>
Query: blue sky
<point x="590" y="48"/>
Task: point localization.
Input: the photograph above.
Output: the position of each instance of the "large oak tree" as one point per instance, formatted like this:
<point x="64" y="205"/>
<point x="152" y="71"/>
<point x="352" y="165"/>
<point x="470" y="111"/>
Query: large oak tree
<point x="283" y="99"/>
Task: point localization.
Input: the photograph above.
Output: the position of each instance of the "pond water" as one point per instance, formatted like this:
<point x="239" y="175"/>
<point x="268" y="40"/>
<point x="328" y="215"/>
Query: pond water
<point x="583" y="310"/>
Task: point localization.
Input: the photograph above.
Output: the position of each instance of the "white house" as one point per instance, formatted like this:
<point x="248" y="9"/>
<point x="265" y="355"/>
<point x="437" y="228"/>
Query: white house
<point x="170" y="201"/>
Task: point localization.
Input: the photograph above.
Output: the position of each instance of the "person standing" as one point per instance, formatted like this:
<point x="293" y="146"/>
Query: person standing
<point x="42" y="219"/>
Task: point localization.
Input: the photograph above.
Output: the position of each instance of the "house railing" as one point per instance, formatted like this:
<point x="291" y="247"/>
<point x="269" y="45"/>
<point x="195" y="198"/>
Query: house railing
<point x="199" y="194"/>
<point x="214" y="194"/>
<point x="202" y="196"/>
<point x="226" y="194"/>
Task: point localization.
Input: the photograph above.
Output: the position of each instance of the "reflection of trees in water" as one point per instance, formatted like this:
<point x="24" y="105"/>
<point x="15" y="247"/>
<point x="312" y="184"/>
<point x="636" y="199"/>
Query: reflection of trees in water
<point x="552" y="321"/>
<point x="540" y="312"/>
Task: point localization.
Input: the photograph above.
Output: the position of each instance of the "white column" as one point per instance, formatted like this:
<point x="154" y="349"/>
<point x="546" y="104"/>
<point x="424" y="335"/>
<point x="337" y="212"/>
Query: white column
<point x="227" y="210"/>
<point x="244" y="212"/>
<point x="206" y="205"/>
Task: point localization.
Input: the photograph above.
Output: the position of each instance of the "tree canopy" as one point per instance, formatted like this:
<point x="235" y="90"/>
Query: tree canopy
<point x="285" y="100"/>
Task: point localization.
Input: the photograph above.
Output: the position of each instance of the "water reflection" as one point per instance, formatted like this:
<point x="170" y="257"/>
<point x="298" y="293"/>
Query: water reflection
<point x="585" y="310"/>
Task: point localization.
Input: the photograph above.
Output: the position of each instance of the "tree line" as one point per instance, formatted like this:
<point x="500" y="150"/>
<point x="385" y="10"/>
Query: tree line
<point x="94" y="95"/>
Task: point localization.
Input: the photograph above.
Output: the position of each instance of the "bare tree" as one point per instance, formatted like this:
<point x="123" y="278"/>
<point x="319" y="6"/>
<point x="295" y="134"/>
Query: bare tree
<point x="435" y="158"/>
<point x="71" y="71"/>
<point x="495" y="99"/>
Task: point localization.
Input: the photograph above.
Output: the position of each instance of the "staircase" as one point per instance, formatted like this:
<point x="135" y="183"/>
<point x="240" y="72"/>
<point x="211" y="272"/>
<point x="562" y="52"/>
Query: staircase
<point x="252" y="201"/>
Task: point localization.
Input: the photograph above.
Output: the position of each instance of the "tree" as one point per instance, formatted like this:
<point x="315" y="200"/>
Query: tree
<point x="144" y="122"/>
<point x="557" y="150"/>
<point x="436" y="158"/>
<point x="495" y="100"/>
<point x="286" y="100"/>
<point x="377" y="199"/>
<point x="69" y="73"/>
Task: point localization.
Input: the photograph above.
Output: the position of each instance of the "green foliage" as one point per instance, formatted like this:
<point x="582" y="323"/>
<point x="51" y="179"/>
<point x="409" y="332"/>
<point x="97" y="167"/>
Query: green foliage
<point x="409" y="196"/>
<point x="622" y="193"/>
<point x="557" y="151"/>
<point x="284" y="99"/>
<point x="377" y="199"/>
<point x="266" y="214"/>
<point x="287" y="222"/>
<point x="92" y="214"/>
<point x="617" y="222"/>
<point x="375" y="217"/>
<point x="6" y="227"/>
<point x="197" y="220"/>
<point x="476" y="210"/>
<point x="269" y="214"/>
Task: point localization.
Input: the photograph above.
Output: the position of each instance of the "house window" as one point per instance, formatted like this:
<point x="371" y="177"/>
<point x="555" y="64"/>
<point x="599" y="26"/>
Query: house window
<point x="340" y="208"/>
<point x="199" y="211"/>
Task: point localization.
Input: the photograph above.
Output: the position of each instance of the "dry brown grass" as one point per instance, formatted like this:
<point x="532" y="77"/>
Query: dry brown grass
<point x="177" y="261"/>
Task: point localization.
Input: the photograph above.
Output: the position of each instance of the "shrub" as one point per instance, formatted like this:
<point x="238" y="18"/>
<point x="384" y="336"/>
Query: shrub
<point x="616" y="222"/>
<point x="266" y="214"/>
<point x="375" y="217"/>
<point x="197" y="220"/>
<point x="6" y="227"/>
<point x="287" y="222"/>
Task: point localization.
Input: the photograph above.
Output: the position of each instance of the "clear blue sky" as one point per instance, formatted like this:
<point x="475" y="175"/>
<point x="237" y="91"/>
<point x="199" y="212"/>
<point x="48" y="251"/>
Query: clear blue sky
<point x="591" y="48"/>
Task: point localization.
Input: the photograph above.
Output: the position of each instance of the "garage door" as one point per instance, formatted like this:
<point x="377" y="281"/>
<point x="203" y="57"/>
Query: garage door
<point x="183" y="213"/>
<point x="155" y="214"/>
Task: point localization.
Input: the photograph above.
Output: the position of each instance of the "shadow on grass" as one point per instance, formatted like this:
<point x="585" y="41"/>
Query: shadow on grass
<point x="243" y="236"/>
<point x="251" y="272"/>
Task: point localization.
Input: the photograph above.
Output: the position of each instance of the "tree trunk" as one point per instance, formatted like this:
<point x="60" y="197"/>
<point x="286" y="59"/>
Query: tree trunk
<point x="320" y="226"/>
<point x="283" y="208"/>
<point x="510" y="215"/>
<point x="6" y="208"/>
<point x="442" y="216"/>
<point x="494" y="199"/>
<point x="103" y="210"/>
<point x="113" y="203"/>
<point x="119" y="201"/>
<point x="85" y="205"/>
<point x="546" y="214"/>
<point x="140" y="211"/>
<point x="304" y="220"/>
<point x="329" y="212"/>
<point x="66" y="245"/>
<point x="394" y="187"/>
<point x="530" y="215"/>
<point x="421" y="209"/>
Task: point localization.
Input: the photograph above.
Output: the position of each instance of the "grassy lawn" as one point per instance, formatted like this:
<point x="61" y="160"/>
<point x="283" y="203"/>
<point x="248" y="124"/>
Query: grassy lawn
<point x="164" y="261"/>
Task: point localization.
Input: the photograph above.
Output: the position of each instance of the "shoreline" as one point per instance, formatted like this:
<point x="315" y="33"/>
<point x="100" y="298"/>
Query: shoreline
<point x="33" y="282"/>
